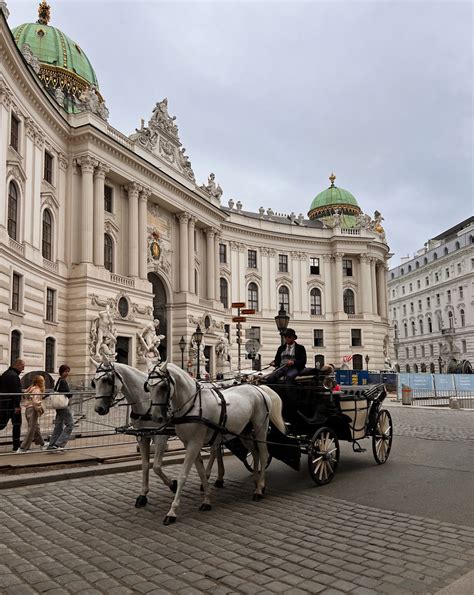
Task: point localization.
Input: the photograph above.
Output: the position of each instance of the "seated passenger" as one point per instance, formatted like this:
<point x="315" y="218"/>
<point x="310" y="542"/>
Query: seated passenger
<point x="290" y="359"/>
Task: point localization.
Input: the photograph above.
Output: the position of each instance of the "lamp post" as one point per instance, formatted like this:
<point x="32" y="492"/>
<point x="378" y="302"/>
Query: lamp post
<point x="197" y="336"/>
<point x="281" y="320"/>
<point x="182" y="346"/>
<point x="367" y="360"/>
<point x="440" y="364"/>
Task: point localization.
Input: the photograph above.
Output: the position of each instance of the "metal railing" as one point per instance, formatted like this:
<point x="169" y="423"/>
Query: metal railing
<point x="456" y="399"/>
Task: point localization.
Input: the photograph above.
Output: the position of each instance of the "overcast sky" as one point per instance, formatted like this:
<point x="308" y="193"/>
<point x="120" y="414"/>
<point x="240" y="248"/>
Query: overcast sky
<point x="273" y="96"/>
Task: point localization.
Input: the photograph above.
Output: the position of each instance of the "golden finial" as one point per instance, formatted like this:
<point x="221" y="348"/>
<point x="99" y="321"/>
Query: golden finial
<point x="44" y="13"/>
<point x="332" y="177"/>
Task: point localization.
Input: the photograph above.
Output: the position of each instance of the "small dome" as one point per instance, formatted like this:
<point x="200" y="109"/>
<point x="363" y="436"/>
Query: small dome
<point x="333" y="198"/>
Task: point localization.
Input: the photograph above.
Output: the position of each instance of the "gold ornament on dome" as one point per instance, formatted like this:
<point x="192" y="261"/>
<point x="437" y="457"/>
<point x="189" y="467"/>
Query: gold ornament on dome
<point x="332" y="179"/>
<point x="44" y="13"/>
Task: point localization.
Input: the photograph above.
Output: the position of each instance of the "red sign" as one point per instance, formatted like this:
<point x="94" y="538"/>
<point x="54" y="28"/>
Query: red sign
<point x="238" y="319"/>
<point x="238" y="305"/>
<point x="248" y="311"/>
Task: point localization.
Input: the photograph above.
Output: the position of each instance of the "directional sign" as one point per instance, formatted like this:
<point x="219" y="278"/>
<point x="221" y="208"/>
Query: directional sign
<point x="252" y="346"/>
<point x="248" y="311"/>
<point x="238" y="305"/>
<point x="238" y="319"/>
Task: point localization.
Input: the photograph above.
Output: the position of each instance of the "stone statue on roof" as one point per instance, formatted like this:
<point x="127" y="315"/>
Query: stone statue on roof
<point x="212" y="188"/>
<point x="160" y="118"/>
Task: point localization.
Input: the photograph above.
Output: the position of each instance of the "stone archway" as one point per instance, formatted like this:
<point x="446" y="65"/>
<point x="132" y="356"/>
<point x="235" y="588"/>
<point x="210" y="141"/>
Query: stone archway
<point x="160" y="310"/>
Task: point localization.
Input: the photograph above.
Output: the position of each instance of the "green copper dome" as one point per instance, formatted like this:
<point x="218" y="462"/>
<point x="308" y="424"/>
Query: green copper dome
<point x="333" y="198"/>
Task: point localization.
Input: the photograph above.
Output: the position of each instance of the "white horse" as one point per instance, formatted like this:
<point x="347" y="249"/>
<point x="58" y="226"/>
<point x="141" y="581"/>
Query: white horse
<point x="197" y="412"/>
<point x="111" y="379"/>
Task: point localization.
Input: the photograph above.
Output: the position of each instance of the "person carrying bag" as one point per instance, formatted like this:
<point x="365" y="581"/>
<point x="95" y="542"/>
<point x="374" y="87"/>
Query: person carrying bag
<point x="64" y="422"/>
<point x="32" y="402"/>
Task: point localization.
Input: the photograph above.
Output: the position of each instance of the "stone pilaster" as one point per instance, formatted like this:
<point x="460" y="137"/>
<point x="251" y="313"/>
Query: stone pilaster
<point x="87" y="165"/>
<point x="133" y="191"/>
<point x="99" y="179"/>
<point x="191" y="254"/>
<point x="365" y="283"/>
<point x="217" y="265"/>
<point x="381" y="290"/>
<point x="328" y="305"/>
<point x="142" y="233"/>
<point x="183" y="219"/>
<point x="210" y="264"/>
<point x="338" y="285"/>
<point x="373" y="284"/>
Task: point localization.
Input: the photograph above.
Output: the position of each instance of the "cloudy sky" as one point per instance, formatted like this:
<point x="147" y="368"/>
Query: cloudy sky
<point x="273" y="96"/>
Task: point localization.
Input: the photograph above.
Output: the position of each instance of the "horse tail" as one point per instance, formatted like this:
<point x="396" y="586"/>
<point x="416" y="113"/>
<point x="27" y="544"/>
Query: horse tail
<point x="276" y="407"/>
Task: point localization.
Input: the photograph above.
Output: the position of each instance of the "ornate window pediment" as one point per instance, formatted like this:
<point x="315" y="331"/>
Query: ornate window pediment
<point x="49" y="200"/>
<point x="284" y="279"/>
<point x="249" y="277"/>
<point x="350" y="285"/>
<point x="16" y="171"/>
<point x="111" y="228"/>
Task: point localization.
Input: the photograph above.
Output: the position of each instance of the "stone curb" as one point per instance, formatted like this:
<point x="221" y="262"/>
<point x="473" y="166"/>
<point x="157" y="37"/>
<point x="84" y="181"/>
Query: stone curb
<point x="462" y="586"/>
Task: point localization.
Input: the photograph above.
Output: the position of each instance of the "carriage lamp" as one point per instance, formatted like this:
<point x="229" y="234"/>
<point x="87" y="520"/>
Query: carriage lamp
<point x="281" y="320"/>
<point x="440" y="363"/>
<point x="182" y="346"/>
<point x="197" y="337"/>
<point x="367" y="360"/>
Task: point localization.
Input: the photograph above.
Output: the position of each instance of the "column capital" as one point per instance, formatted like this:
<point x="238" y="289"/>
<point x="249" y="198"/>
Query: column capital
<point x="183" y="218"/>
<point x="63" y="161"/>
<point x="192" y="220"/>
<point x="327" y="257"/>
<point x="338" y="255"/>
<point x="364" y="257"/>
<point x="133" y="188"/>
<point x="87" y="163"/>
<point x="210" y="232"/>
<point x="145" y="193"/>
<point x="101" y="170"/>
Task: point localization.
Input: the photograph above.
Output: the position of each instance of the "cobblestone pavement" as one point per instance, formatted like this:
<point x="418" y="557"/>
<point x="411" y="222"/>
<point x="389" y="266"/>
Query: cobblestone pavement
<point x="443" y="424"/>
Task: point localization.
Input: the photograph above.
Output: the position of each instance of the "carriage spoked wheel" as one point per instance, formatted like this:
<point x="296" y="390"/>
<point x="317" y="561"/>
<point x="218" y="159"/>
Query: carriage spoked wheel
<point x="248" y="462"/>
<point x="323" y="456"/>
<point x="382" y="437"/>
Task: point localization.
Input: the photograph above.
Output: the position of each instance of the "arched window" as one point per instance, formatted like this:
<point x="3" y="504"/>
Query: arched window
<point x="357" y="362"/>
<point x="432" y="368"/>
<point x="409" y="268"/>
<point x="425" y="260"/>
<point x="463" y="317"/>
<point x="397" y="368"/>
<point x="407" y="368"/>
<point x="284" y="298"/>
<point x="318" y="361"/>
<point x="47" y="239"/>
<point x="413" y="328"/>
<point x="15" y="346"/>
<point x="13" y="211"/>
<point x="348" y="300"/>
<point x="252" y="293"/>
<point x="224" y="292"/>
<point x="405" y="329"/>
<point x="450" y="319"/>
<point x="423" y="368"/>
<point x="430" y="325"/>
<point x="417" y="265"/>
<point x="421" y="326"/>
<point x="108" y="252"/>
<point x="395" y="330"/>
<point x="435" y="256"/>
<point x="415" y="368"/>
<point x="50" y="352"/>
<point x="315" y="302"/>
<point x="392" y="276"/>
<point x="402" y="271"/>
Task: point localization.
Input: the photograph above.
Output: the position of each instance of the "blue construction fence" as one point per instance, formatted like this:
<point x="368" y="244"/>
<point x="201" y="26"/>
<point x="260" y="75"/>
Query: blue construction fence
<point x="360" y="377"/>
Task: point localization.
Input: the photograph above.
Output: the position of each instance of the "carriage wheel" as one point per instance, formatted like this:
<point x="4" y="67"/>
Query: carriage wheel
<point x="382" y="437"/>
<point x="323" y="456"/>
<point x="248" y="462"/>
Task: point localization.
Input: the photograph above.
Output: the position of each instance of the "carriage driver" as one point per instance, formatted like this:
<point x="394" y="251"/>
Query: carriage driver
<point x="290" y="359"/>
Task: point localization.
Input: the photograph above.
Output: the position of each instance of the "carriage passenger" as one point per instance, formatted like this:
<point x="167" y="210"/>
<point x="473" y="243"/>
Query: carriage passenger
<point x="290" y="359"/>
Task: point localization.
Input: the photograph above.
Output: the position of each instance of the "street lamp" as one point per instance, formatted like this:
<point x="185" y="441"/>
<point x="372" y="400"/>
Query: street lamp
<point x="440" y="363"/>
<point x="197" y="337"/>
<point x="367" y="360"/>
<point x="281" y="320"/>
<point x="182" y="346"/>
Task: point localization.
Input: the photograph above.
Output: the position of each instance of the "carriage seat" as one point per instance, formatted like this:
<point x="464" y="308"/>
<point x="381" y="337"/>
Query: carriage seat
<point x="357" y="392"/>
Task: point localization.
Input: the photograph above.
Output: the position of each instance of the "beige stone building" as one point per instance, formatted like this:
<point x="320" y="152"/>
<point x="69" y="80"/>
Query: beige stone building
<point x="91" y="217"/>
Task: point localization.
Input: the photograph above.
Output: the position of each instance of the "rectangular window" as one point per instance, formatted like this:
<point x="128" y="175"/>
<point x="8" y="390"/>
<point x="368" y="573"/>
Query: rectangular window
<point x="108" y="199"/>
<point x="431" y="350"/>
<point x="282" y="263"/>
<point x="414" y="351"/>
<point x="412" y="308"/>
<point x="427" y="281"/>
<point x="418" y="284"/>
<point x="224" y="292"/>
<point x="411" y="287"/>
<point x="356" y="337"/>
<point x="15" y="132"/>
<point x="314" y="266"/>
<point x="404" y="309"/>
<point x="436" y="277"/>
<point x="222" y="253"/>
<point x="252" y="259"/>
<point x="461" y="292"/>
<point x="448" y="295"/>
<point x="318" y="337"/>
<point x="447" y="273"/>
<point x="407" y="352"/>
<point x="428" y="302"/>
<point x="393" y="293"/>
<point x="16" y="292"/>
<point x="438" y="299"/>
<point x="422" y="351"/>
<point x="459" y="268"/>
<point x="48" y="167"/>
<point x="347" y="267"/>
<point x="463" y="346"/>
<point x="50" y="304"/>
<point x="420" y="307"/>
<point x="403" y="289"/>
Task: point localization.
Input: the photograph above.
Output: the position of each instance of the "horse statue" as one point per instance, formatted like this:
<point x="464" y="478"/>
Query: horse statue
<point x="199" y="413"/>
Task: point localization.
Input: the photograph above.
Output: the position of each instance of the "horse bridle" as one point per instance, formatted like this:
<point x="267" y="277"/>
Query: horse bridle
<point x="155" y="374"/>
<point x="108" y="370"/>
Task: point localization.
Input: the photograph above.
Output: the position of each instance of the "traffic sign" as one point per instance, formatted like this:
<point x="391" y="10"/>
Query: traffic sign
<point x="252" y="346"/>
<point x="248" y="311"/>
<point x="238" y="305"/>
<point x="238" y="319"/>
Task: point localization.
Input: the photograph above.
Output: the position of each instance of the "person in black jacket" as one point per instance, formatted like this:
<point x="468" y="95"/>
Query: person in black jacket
<point x="10" y="398"/>
<point x="64" y="422"/>
<point x="290" y="359"/>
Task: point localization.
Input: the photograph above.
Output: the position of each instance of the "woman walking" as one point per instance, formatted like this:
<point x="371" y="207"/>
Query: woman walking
<point x="64" y="422"/>
<point x="33" y="410"/>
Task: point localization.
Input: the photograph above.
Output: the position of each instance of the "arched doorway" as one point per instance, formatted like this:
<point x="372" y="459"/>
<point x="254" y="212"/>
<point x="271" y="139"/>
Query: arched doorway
<point x="159" y="310"/>
<point x="357" y="362"/>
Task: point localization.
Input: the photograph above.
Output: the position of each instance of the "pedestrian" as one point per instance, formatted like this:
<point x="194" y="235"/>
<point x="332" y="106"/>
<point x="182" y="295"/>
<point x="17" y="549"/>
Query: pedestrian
<point x="64" y="422"/>
<point x="32" y="402"/>
<point x="10" y="398"/>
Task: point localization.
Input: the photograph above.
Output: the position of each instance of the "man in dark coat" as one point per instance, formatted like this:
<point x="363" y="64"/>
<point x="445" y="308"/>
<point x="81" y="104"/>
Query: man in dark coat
<point x="10" y="398"/>
<point x="290" y="359"/>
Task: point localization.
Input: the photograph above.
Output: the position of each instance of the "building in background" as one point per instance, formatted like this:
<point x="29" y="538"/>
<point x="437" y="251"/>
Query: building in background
<point x="431" y="303"/>
<point x="99" y="228"/>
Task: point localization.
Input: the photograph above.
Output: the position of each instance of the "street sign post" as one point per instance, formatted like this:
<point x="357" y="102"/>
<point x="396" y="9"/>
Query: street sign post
<point x="239" y="319"/>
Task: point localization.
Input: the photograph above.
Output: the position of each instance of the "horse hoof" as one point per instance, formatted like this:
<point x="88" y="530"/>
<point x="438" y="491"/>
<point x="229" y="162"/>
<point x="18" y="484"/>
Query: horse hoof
<point x="219" y="483"/>
<point x="141" y="501"/>
<point x="169" y="520"/>
<point x="174" y="486"/>
<point x="257" y="497"/>
<point x="205" y="507"/>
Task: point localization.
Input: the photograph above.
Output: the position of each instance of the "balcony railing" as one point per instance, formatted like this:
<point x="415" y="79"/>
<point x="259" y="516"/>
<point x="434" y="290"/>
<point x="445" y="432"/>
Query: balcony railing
<point x="14" y="245"/>
<point x="355" y="316"/>
<point x="50" y="265"/>
<point x="121" y="280"/>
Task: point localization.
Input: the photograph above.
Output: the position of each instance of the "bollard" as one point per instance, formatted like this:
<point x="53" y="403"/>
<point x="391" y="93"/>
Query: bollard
<point x="406" y="395"/>
<point x="454" y="403"/>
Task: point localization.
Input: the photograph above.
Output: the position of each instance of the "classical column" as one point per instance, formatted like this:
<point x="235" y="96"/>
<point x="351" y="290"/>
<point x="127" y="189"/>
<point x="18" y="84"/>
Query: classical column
<point x="338" y="299"/>
<point x="217" y="265"/>
<point x="381" y="289"/>
<point x="87" y="164"/>
<point x="373" y="284"/>
<point x="63" y="236"/>
<point x="191" y="254"/>
<point x="235" y="274"/>
<point x="99" y="178"/>
<point x="210" y="263"/>
<point x="274" y="305"/>
<point x="328" y="306"/>
<point x="294" y="267"/>
<point x="183" y="219"/>
<point x="365" y="283"/>
<point x="133" y="190"/>
<point x="142" y="233"/>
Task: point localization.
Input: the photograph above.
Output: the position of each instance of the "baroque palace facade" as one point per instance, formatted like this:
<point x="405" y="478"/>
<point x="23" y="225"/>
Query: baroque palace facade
<point x="94" y="222"/>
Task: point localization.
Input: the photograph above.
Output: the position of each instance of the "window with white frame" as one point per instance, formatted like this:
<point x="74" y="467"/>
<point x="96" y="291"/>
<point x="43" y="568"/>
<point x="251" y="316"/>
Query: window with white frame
<point x="460" y="292"/>
<point x="108" y="199"/>
<point x="50" y="353"/>
<point x="252" y="295"/>
<point x="252" y="259"/>
<point x="48" y="167"/>
<point x="282" y="263"/>
<point x="284" y="297"/>
<point x="223" y="253"/>
<point x="349" y="301"/>
<point x="224" y="292"/>
<point x="313" y="265"/>
<point x="13" y="208"/>
<point x="462" y="316"/>
<point x="318" y="337"/>
<point x="315" y="302"/>
<point x="347" y="267"/>
<point x="14" y="132"/>
<point x="50" y="304"/>
<point x="108" y="252"/>
<point x="16" y="292"/>
<point x="356" y="337"/>
<point x="47" y="235"/>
